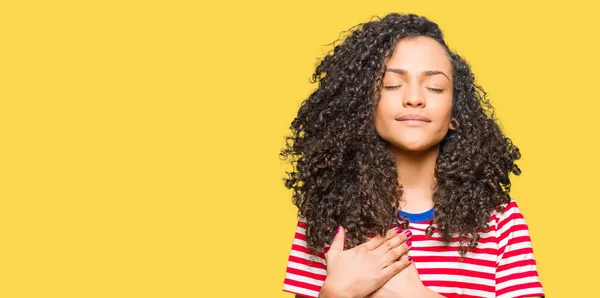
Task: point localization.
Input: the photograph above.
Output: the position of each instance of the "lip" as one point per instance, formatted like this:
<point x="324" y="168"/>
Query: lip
<point x="413" y="117"/>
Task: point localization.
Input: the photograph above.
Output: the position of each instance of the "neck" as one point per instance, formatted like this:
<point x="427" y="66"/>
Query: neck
<point x="416" y="175"/>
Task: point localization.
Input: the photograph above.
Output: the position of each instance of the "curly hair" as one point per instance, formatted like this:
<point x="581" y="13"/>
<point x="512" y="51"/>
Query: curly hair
<point x="344" y="175"/>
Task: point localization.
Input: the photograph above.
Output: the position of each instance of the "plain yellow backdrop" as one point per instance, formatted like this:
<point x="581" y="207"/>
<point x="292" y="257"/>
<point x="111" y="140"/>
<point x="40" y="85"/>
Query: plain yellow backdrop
<point x="140" y="139"/>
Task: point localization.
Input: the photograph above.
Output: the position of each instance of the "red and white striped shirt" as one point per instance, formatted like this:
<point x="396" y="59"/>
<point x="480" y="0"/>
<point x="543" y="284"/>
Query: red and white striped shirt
<point x="502" y="264"/>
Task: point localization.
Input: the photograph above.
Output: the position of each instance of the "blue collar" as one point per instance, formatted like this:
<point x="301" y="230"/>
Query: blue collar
<point x="418" y="217"/>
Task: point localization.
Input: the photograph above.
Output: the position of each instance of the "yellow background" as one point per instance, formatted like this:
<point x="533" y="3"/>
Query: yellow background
<point x="140" y="139"/>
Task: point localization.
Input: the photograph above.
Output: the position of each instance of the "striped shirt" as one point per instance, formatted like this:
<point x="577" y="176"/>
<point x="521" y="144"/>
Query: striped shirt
<point x="502" y="265"/>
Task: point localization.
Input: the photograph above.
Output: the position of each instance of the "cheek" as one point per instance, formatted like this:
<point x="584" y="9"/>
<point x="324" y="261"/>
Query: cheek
<point x="443" y="109"/>
<point x="384" y="111"/>
<point x="388" y="102"/>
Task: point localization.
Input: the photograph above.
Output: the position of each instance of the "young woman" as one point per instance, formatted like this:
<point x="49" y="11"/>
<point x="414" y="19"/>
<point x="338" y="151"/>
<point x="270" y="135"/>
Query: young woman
<point x="401" y="148"/>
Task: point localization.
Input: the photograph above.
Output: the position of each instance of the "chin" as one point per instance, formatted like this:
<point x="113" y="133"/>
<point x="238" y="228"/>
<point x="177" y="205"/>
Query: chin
<point x="414" y="146"/>
<point x="409" y="148"/>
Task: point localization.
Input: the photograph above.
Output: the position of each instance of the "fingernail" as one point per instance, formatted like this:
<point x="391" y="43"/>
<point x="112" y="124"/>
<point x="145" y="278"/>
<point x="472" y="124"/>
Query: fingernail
<point x="398" y="230"/>
<point x="409" y="258"/>
<point x="408" y="233"/>
<point x="409" y="243"/>
<point x="337" y="230"/>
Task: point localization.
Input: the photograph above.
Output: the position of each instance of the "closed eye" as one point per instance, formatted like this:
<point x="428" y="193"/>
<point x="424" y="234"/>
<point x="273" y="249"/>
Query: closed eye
<point x="396" y="87"/>
<point x="392" y="87"/>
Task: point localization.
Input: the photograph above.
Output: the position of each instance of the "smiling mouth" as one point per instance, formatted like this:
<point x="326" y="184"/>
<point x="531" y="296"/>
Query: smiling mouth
<point x="413" y="117"/>
<point x="413" y="122"/>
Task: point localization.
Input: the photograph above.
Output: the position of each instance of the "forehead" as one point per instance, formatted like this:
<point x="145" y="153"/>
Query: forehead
<point x="418" y="54"/>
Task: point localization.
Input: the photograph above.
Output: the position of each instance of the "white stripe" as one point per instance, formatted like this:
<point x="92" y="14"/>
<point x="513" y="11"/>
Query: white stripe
<point x="435" y="243"/>
<point x="301" y="291"/>
<point x="506" y="261"/>
<point x="454" y="265"/>
<point x="301" y="230"/>
<point x="299" y="242"/>
<point x="524" y="292"/>
<point x="510" y="224"/>
<point x="482" y="236"/>
<point x="514" y="234"/>
<point x="304" y="279"/>
<point x="502" y="260"/>
<point x="511" y="271"/>
<point x="518" y="245"/>
<point x="517" y="281"/>
<point x="305" y="256"/>
<point x="462" y="291"/>
<point x="479" y="256"/>
<point x="307" y="268"/>
<point x="504" y="219"/>
<point x="421" y="226"/>
<point x="449" y="277"/>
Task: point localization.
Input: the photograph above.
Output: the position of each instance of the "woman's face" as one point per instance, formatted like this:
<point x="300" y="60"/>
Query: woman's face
<point x="417" y="84"/>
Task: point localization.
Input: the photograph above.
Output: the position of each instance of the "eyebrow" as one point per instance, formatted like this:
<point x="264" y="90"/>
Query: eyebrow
<point x="425" y="72"/>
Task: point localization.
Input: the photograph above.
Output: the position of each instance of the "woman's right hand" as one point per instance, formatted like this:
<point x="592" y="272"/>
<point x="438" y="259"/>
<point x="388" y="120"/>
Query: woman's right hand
<point x="359" y="271"/>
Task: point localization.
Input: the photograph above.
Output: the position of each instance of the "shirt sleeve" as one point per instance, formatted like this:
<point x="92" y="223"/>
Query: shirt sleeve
<point x="516" y="271"/>
<point x="305" y="272"/>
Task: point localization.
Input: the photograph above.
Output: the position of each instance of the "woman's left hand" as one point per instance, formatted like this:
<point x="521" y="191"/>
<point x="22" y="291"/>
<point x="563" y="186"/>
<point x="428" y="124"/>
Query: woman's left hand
<point x="406" y="283"/>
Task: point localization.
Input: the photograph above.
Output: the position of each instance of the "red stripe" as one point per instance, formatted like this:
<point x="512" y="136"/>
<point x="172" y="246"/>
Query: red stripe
<point x="517" y="276"/>
<point x="454" y="259"/>
<point x="519" y="287"/>
<point x="512" y="241"/>
<point x="524" y="263"/>
<point x="486" y="239"/>
<point x="303" y="249"/>
<point x="301" y="224"/>
<point x="415" y="238"/>
<point x="494" y="218"/>
<point x="510" y="219"/>
<point x="454" y="295"/>
<point x="312" y="275"/>
<point x="299" y="294"/>
<point x="514" y="228"/>
<point x="535" y="294"/>
<point x="490" y="251"/>
<point x="414" y="228"/>
<point x="300" y="236"/>
<point x="308" y="263"/>
<point x="518" y="239"/>
<point x="457" y="272"/>
<point x="303" y="285"/>
<point x="517" y="252"/>
<point x="510" y="205"/>
<point x="457" y="284"/>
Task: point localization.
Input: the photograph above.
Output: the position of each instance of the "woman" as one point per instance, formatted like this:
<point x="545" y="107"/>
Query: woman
<point x="398" y="133"/>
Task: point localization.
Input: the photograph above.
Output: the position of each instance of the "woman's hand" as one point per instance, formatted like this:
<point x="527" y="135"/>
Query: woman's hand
<point x="406" y="283"/>
<point x="363" y="269"/>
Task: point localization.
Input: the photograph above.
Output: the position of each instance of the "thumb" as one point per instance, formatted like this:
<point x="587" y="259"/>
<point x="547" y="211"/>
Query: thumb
<point x="338" y="241"/>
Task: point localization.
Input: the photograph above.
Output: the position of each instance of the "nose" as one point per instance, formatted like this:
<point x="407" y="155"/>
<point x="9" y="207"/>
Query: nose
<point x="413" y="97"/>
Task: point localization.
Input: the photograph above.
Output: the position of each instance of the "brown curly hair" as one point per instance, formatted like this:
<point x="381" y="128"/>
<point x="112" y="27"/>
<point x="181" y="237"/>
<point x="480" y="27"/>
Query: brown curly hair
<point x="344" y="175"/>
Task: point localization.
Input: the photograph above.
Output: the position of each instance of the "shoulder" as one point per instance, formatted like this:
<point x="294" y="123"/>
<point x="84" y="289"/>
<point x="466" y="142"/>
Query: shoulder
<point x="506" y="212"/>
<point x="510" y="225"/>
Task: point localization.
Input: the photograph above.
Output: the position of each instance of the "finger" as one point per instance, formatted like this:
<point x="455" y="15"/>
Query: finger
<point x="397" y="266"/>
<point x="337" y="245"/>
<point x="392" y="243"/>
<point x="393" y="254"/>
<point x="378" y="240"/>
